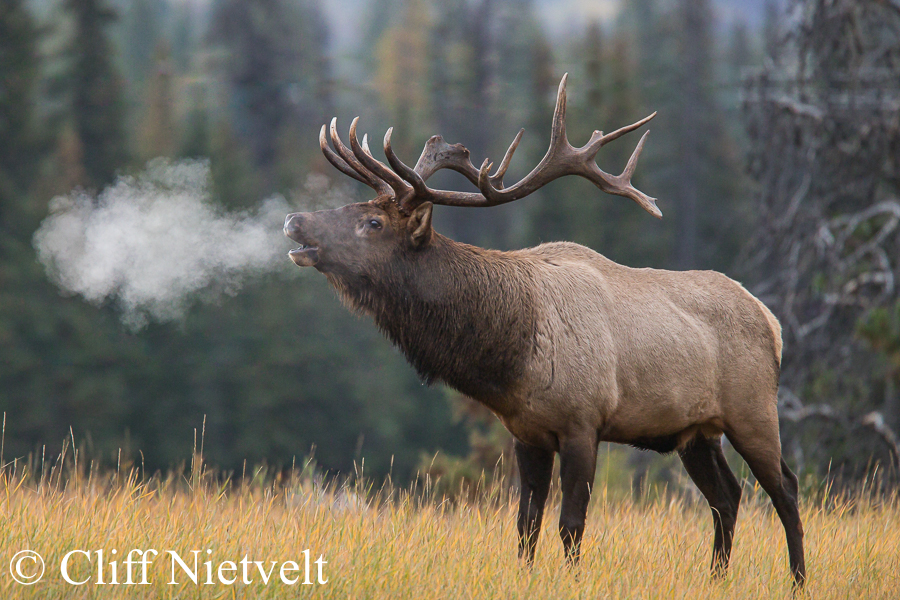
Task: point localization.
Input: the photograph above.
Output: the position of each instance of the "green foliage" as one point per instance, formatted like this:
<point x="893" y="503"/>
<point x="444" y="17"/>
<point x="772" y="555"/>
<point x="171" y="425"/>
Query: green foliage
<point x="276" y="72"/>
<point x="282" y="366"/>
<point x="195" y="142"/>
<point x="276" y="371"/>
<point x="157" y="135"/>
<point x="880" y="328"/>
<point x="490" y="459"/>
<point x="235" y="182"/>
<point x="18" y="76"/>
<point x="62" y="362"/>
<point x="141" y="27"/>
<point x="94" y="90"/>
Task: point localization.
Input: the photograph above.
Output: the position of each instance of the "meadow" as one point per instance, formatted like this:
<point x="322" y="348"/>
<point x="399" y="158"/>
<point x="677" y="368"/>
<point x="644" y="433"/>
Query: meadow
<point x="409" y="542"/>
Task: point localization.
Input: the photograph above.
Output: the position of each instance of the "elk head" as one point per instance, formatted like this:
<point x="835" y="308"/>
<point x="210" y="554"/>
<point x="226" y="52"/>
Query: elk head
<point x="357" y="237"/>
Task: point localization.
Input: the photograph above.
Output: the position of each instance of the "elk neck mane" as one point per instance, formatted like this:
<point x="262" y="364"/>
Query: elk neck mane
<point x="462" y="315"/>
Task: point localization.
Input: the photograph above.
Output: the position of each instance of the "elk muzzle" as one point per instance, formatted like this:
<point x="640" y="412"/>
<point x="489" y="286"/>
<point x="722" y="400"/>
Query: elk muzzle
<point x="307" y="255"/>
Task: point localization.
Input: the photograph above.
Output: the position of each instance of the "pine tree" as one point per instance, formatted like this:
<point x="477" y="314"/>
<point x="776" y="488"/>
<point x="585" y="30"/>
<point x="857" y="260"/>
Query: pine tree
<point x="94" y="90"/>
<point x="18" y="73"/>
<point x="196" y="141"/>
<point x="70" y="159"/>
<point x="708" y="188"/>
<point x="594" y="69"/>
<point x="483" y="55"/>
<point x="401" y="75"/>
<point x="445" y="55"/>
<point x="550" y="217"/>
<point x="274" y="71"/>
<point x="690" y="162"/>
<point x="319" y="69"/>
<point x="157" y="135"/>
<point x="611" y="225"/>
<point x="694" y="78"/>
<point x="183" y="37"/>
<point x="142" y="30"/>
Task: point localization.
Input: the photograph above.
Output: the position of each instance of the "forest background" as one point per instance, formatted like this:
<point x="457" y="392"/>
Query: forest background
<point x="775" y="157"/>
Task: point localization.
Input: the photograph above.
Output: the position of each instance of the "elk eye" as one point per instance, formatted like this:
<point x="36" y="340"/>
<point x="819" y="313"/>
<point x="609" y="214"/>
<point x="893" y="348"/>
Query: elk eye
<point x="374" y="223"/>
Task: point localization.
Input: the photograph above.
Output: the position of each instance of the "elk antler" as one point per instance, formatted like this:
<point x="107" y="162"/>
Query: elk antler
<point x="564" y="159"/>
<point x="346" y="163"/>
<point x="561" y="159"/>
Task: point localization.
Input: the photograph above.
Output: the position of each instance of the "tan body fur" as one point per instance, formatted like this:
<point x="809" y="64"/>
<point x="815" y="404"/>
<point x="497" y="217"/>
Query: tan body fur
<point x="640" y="353"/>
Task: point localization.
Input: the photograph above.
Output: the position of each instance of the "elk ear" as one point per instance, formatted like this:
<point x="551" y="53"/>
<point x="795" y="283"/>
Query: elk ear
<point x="419" y="225"/>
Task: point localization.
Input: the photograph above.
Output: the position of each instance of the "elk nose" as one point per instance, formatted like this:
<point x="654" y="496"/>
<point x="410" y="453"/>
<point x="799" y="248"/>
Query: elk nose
<point x="292" y="224"/>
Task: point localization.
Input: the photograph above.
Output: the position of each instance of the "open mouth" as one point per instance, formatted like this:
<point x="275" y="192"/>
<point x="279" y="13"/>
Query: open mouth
<point x="305" y="255"/>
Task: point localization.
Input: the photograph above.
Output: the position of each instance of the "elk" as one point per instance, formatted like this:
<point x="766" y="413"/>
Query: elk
<point x="565" y="346"/>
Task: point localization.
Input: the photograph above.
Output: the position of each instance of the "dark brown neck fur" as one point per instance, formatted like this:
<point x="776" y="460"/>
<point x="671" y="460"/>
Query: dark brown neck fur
<point x="462" y="315"/>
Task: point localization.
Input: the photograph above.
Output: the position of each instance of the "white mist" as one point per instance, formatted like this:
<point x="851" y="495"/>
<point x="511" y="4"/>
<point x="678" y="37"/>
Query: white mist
<point x="151" y="242"/>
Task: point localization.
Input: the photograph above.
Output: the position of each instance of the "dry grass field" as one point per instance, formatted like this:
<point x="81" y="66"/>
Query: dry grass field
<point x="405" y="543"/>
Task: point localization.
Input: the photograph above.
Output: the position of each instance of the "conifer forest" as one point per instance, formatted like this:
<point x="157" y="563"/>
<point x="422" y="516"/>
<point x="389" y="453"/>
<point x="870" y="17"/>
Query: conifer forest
<point x="774" y="155"/>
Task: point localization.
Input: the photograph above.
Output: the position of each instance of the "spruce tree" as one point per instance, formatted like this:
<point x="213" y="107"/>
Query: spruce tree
<point x="693" y="79"/>
<point x="157" y="135"/>
<point x="401" y="76"/>
<point x="18" y="72"/>
<point x="276" y="72"/>
<point x="141" y="24"/>
<point x="95" y="90"/>
<point x="183" y="37"/>
<point x="691" y="162"/>
<point x="708" y="186"/>
<point x="196" y="140"/>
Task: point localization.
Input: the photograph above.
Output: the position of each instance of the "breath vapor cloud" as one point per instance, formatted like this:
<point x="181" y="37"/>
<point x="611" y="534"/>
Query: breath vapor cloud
<point x="152" y="243"/>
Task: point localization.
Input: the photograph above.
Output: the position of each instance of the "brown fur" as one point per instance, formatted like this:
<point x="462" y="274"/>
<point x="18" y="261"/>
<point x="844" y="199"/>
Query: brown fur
<point x="435" y="307"/>
<point x="575" y="325"/>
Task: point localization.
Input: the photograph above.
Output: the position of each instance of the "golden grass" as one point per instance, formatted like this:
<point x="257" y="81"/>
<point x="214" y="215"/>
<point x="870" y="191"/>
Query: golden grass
<point x="406" y="544"/>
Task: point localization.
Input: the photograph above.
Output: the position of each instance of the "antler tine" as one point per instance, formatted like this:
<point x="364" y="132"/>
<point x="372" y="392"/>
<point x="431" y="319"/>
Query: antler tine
<point x="632" y="160"/>
<point x="497" y="178"/>
<point x="598" y="140"/>
<point x="438" y="154"/>
<point x="409" y="175"/>
<point x="609" y="137"/>
<point x="372" y="180"/>
<point x="399" y="186"/>
<point x="558" y="132"/>
<point x="620" y="185"/>
<point x="559" y="150"/>
<point x="336" y="161"/>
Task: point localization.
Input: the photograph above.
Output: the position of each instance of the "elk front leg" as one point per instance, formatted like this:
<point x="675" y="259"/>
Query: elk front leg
<point x="535" y="472"/>
<point x="577" y="461"/>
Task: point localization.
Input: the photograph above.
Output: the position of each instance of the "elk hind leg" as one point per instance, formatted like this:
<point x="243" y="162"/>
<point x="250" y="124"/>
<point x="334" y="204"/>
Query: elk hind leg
<point x="705" y="463"/>
<point x="760" y="445"/>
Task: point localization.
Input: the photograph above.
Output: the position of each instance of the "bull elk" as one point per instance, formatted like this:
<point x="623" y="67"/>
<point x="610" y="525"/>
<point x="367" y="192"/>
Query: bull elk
<point x="566" y="347"/>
